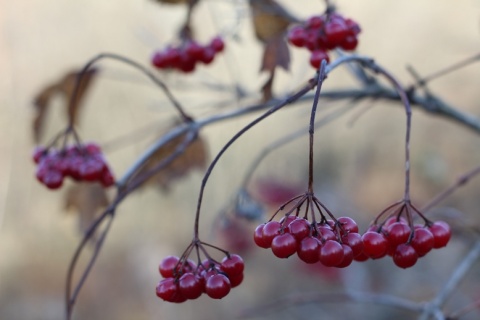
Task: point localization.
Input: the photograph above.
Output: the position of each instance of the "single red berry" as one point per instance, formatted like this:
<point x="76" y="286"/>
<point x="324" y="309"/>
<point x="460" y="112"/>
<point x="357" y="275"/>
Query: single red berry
<point x="336" y="31"/>
<point x="325" y="233"/>
<point x="217" y="286"/>
<point x="208" y="54"/>
<point x="441" y="233"/>
<point x="375" y="245"/>
<point x="317" y="57"/>
<point x="286" y="220"/>
<point x="347" y="257"/>
<point x="348" y="224"/>
<point x="299" y="228"/>
<point x="270" y="231"/>
<point x="354" y="241"/>
<point x="397" y="233"/>
<point x="217" y="44"/>
<point x="38" y="153"/>
<point x="422" y="241"/>
<point x="189" y="286"/>
<point x="232" y="265"/>
<point x="167" y="266"/>
<point x="349" y="43"/>
<point x="258" y="237"/>
<point x="284" y="245"/>
<point x="315" y="22"/>
<point x="160" y="60"/>
<point x="168" y="290"/>
<point x="53" y="179"/>
<point x="331" y="253"/>
<point x="405" y="256"/>
<point x="236" y="280"/>
<point x="107" y="179"/>
<point x="297" y="36"/>
<point x="308" y="250"/>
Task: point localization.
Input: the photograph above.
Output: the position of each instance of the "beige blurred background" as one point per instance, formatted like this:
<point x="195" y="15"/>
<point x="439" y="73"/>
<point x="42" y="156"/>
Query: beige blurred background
<point x="359" y="168"/>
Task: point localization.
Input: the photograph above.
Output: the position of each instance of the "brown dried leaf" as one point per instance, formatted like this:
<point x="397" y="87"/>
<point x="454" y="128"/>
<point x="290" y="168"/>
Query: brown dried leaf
<point x="87" y="200"/>
<point x="194" y="157"/>
<point x="65" y="87"/>
<point x="269" y="19"/>
<point x="276" y="54"/>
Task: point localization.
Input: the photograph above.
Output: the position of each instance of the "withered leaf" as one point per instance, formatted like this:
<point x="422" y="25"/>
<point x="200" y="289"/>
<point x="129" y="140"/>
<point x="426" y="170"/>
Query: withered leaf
<point x="65" y="87"/>
<point x="276" y="54"/>
<point x="87" y="200"/>
<point x="270" y="19"/>
<point x="193" y="157"/>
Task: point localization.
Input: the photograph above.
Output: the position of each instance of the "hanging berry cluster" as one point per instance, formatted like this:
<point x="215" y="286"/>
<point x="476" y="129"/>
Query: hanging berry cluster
<point x="399" y="238"/>
<point x="325" y="32"/>
<point x="79" y="162"/>
<point x="187" y="55"/>
<point x="186" y="280"/>
<point x="332" y="242"/>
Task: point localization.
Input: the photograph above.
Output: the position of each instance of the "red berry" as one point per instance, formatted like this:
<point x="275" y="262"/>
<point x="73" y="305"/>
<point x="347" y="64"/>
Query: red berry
<point x="217" y="44"/>
<point x="405" y="256"/>
<point x="347" y="257"/>
<point x="315" y="22"/>
<point x="308" y="250"/>
<point x="397" y="233"/>
<point x="38" y="153"/>
<point x="354" y="241"/>
<point x="208" y="54"/>
<point x="194" y="50"/>
<point x="232" y="265"/>
<point x="270" y="231"/>
<point x="375" y="245"/>
<point x="167" y="265"/>
<point x="236" y="280"/>
<point x="348" y="224"/>
<point x="259" y="239"/>
<point x="217" y="286"/>
<point x="441" y="233"/>
<point x="299" y="228"/>
<point x="422" y="241"/>
<point x="107" y="178"/>
<point x="297" y="37"/>
<point x="317" y="57"/>
<point x="168" y="290"/>
<point x="284" y="245"/>
<point x="189" y="286"/>
<point x="52" y="179"/>
<point x="331" y="253"/>
<point x="349" y="43"/>
<point x="326" y="233"/>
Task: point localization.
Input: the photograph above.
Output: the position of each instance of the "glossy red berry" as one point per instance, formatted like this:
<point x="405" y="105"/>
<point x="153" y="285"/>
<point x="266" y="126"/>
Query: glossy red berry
<point x="405" y="256"/>
<point x="397" y="233"/>
<point x="167" y="266"/>
<point x="232" y="265"/>
<point x="299" y="228"/>
<point x="347" y="257"/>
<point x="270" y="231"/>
<point x="235" y="281"/>
<point x="308" y="250"/>
<point x="217" y="286"/>
<point x="297" y="37"/>
<point x="348" y="224"/>
<point x="441" y="233"/>
<point x="284" y="245"/>
<point x="375" y="245"/>
<point x="354" y="241"/>
<point x="258" y="237"/>
<point x="422" y="241"/>
<point x="317" y="57"/>
<point x="190" y="286"/>
<point x="167" y="289"/>
<point x="331" y="253"/>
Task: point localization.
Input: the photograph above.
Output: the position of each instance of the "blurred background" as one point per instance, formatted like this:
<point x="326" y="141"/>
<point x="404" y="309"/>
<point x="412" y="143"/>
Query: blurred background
<point x="358" y="164"/>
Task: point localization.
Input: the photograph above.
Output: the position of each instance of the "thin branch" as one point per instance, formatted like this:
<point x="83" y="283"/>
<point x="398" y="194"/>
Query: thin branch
<point x="452" y="283"/>
<point x="331" y="297"/>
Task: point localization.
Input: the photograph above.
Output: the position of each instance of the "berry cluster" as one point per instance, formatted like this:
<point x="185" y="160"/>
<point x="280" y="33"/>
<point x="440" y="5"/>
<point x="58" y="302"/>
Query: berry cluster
<point x="186" y="56"/>
<point x="80" y="162"/>
<point x="396" y="238"/>
<point x="333" y="243"/>
<point x="185" y="280"/>
<point x="322" y="33"/>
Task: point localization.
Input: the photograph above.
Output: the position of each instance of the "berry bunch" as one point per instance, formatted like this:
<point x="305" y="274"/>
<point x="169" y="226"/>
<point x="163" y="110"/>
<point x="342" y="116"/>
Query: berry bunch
<point x="185" y="280"/>
<point x="334" y="243"/>
<point x="187" y="55"/>
<point x="322" y="33"/>
<point x="402" y="240"/>
<point x="80" y="162"/>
